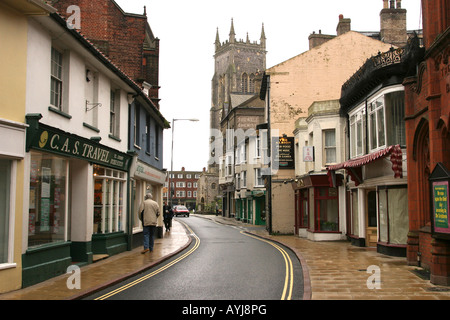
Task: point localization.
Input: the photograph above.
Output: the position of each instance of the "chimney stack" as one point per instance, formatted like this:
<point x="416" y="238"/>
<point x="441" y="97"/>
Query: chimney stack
<point x="393" y="23"/>
<point x="344" y="25"/>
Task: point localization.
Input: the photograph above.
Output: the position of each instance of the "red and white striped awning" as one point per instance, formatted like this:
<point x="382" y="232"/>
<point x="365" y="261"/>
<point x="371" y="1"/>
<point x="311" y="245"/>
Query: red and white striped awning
<point x="396" y="158"/>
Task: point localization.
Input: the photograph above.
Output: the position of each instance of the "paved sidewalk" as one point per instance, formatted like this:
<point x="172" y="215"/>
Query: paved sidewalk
<point x="337" y="270"/>
<point x="332" y="270"/>
<point x="106" y="272"/>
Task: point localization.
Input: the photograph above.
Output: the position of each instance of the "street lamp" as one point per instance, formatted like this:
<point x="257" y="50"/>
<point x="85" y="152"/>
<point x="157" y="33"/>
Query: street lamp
<point x="171" y="157"/>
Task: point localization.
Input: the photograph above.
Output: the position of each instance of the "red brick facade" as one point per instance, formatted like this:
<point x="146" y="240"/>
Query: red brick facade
<point x="184" y="187"/>
<point x="427" y="111"/>
<point x="125" y="38"/>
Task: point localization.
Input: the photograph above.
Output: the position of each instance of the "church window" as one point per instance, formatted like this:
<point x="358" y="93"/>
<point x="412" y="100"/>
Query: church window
<point x="244" y="83"/>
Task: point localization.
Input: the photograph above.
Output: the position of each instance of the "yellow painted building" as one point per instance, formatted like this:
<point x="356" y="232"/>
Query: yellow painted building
<point x="13" y="65"/>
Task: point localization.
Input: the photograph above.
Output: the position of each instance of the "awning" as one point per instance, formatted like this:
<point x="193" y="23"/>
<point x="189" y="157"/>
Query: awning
<point x="353" y="166"/>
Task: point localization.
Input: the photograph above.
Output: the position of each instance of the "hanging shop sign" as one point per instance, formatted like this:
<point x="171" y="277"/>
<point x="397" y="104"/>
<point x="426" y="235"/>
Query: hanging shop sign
<point x="439" y="179"/>
<point x="45" y="138"/>
<point x="308" y="154"/>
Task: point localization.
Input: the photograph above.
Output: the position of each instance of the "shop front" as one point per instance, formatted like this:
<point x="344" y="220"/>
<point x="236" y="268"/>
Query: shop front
<point x="77" y="201"/>
<point x="144" y="178"/>
<point x="377" y="197"/>
<point x="319" y="207"/>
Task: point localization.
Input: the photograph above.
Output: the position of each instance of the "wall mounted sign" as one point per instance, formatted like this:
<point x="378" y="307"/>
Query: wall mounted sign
<point x="45" y="138"/>
<point x="439" y="184"/>
<point x="308" y="154"/>
<point x="440" y="207"/>
<point x="284" y="152"/>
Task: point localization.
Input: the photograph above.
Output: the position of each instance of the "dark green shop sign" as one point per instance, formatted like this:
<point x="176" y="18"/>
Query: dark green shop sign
<point x="53" y="140"/>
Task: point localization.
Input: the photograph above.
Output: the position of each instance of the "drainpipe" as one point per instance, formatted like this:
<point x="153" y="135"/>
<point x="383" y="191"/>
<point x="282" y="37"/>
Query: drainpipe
<point x="269" y="150"/>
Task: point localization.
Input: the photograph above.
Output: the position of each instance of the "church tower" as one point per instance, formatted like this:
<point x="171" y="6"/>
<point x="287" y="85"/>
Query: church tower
<point x="237" y="66"/>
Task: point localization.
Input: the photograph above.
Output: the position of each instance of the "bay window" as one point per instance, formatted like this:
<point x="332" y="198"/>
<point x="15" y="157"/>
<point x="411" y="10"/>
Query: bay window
<point x="385" y="122"/>
<point x="376" y="124"/>
<point x="357" y="129"/>
<point x="329" y="137"/>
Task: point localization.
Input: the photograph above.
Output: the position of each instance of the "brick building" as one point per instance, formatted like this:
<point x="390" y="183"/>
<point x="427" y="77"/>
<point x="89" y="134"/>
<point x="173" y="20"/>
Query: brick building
<point x="126" y="38"/>
<point x="184" y="188"/>
<point x="427" y="111"/>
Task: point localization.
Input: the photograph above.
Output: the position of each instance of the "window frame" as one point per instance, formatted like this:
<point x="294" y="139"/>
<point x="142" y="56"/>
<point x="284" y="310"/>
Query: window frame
<point x="10" y="215"/>
<point x="56" y="96"/>
<point x="328" y="148"/>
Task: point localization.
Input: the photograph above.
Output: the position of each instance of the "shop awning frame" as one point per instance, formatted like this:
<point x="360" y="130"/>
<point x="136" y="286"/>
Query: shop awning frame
<point x="353" y="166"/>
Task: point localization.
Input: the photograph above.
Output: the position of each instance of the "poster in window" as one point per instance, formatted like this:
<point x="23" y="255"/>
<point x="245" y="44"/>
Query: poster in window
<point x="440" y="207"/>
<point x="45" y="215"/>
<point x="45" y="185"/>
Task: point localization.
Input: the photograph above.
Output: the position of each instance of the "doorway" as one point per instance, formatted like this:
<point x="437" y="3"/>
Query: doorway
<point x="371" y="219"/>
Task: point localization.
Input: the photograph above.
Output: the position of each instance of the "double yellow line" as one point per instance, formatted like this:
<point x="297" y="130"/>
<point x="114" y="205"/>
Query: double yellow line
<point x="289" y="279"/>
<point x="148" y="276"/>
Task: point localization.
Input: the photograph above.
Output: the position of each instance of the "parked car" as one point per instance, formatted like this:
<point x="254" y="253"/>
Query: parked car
<point x="180" y="210"/>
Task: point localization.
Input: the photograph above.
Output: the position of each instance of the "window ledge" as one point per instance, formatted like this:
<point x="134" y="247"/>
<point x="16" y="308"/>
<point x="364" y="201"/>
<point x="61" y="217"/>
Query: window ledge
<point x="114" y="137"/>
<point x="87" y="125"/>
<point x="4" y="266"/>
<point x="61" y="113"/>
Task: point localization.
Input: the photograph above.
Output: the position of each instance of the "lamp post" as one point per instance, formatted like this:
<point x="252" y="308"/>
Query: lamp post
<point x="171" y="157"/>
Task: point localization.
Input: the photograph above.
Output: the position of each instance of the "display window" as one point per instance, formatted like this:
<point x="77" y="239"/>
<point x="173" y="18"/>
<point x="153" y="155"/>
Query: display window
<point x="47" y="222"/>
<point x="301" y="208"/>
<point x="326" y="209"/>
<point x="393" y="215"/>
<point x="109" y="193"/>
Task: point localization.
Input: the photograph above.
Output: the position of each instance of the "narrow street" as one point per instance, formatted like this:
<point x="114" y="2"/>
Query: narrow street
<point x="222" y="263"/>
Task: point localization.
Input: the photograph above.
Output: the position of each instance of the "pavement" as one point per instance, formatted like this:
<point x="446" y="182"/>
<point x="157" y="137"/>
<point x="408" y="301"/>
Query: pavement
<point x="332" y="270"/>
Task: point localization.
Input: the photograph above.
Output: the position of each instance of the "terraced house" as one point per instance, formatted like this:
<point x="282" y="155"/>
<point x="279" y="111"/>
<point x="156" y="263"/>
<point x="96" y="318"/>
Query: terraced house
<point x="77" y="168"/>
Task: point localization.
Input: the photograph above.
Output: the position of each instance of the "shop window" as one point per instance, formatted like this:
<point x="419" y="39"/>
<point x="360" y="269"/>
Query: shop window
<point x="109" y="187"/>
<point x="47" y="203"/>
<point x="326" y="209"/>
<point x="302" y="208"/>
<point x="393" y="212"/>
<point x="5" y="183"/>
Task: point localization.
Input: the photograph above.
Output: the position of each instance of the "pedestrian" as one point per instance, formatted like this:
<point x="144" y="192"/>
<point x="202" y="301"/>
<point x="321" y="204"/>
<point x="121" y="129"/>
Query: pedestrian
<point x="167" y="215"/>
<point x="217" y="209"/>
<point x="149" y="213"/>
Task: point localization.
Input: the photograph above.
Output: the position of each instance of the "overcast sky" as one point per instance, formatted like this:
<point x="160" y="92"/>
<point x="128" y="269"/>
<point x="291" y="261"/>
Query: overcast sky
<point x="187" y="31"/>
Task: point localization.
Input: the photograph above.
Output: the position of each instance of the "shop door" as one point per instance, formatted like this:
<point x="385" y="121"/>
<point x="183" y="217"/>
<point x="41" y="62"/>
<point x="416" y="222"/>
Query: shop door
<point x="371" y="219"/>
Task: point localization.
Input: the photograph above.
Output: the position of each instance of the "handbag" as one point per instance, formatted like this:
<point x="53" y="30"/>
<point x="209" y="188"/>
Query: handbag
<point x="141" y="216"/>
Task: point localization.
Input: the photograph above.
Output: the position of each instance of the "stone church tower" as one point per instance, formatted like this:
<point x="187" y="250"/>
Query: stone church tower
<point x="237" y="64"/>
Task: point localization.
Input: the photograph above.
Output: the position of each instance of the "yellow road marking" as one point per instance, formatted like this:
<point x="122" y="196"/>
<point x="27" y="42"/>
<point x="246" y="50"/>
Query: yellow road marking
<point x="148" y="276"/>
<point x="289" y="279"/>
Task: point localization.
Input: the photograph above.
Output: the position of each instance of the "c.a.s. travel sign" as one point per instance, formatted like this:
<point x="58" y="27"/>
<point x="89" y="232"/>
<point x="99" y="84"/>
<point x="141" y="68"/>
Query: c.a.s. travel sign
<point x="53" y="140"/>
